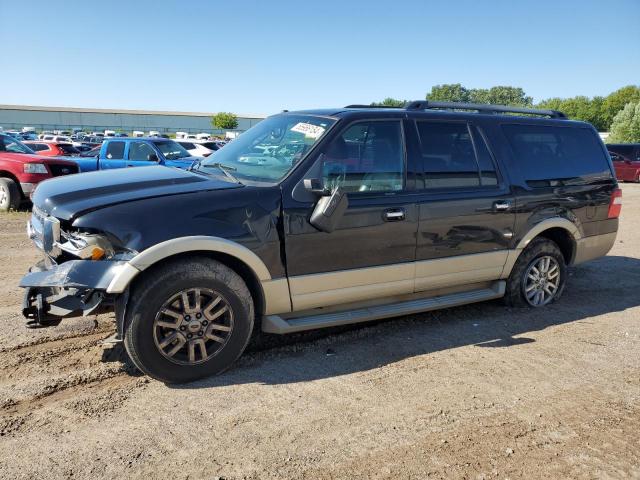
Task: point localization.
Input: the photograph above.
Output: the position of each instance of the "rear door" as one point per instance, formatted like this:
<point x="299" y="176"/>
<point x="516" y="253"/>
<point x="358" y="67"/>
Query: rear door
<point x="370" y="254"/>
<point x="465" y="206"/>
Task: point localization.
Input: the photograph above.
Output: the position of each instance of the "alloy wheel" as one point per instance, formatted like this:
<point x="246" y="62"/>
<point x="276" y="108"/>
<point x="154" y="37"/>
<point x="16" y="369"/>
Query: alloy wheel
<point x="541" y="281"/>
<point x="192" y="326"/>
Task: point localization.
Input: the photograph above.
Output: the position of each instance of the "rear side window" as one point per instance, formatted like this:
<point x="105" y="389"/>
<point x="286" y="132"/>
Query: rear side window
<point x="38" y="147"/>
<point x="115" y="150"/>
<point x="68" y="149"/>
<point x="553" y="153"/>
<point x="454" y="155"/>
<point x="187" y="145"/>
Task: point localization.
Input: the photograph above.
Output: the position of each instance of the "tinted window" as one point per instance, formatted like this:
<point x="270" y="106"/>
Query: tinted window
<point x="140" y="151"/>
<point x="448" y="158"/>
<point x="115" y="150"/>
<point x="546" y="152"/>
<point x="211" y="145"/>
<point x="187" y="145"/>
<point x="38" y="147"/>
<point x="367" y="157"/>
<point x="171" y="150"/>
<point x="68" y="149"/>
<point x="487" y="166"/>
<point x="624" y="150"/>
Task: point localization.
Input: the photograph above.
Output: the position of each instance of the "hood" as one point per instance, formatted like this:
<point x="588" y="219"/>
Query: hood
<point x="29" y="158"/>
<point x="70" y="196"/>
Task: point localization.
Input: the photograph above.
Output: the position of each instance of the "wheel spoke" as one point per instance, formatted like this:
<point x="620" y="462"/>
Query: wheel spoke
<point x="173" y="326"/>
<point x="212" y="316"/>
<point x="168" y="339"/>
<point x="221" y="328"/>
<point x="179" y="344"/>
<point x="171" y="313"/>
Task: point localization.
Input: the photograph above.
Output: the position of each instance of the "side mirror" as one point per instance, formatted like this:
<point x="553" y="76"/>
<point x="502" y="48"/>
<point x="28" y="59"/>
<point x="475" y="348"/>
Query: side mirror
<point x="152" y="157"/>
<point x="329" y="210"/>
<point x="316" y="186"/>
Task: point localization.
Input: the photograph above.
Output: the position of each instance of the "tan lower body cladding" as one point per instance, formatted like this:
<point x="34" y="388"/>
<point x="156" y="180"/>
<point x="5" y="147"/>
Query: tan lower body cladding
<point x="348" y="286"/>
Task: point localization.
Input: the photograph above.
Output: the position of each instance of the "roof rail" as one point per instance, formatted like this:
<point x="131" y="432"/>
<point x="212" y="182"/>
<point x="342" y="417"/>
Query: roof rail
<point x="370" y="106"/>
<point x="481" y="108"/>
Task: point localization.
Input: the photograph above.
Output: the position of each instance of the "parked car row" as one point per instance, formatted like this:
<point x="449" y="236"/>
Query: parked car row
<point x="24" y="165"/>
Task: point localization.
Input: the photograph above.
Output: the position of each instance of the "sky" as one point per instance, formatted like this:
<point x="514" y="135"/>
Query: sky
<point x="260" y="57"/>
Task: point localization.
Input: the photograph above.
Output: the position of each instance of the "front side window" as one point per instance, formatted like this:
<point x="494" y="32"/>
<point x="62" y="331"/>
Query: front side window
<point x="366" y="157"/>
<point x="115" y="150"/>
<point x="171" y="150"/>
<point x="268" y="151"/>
<point x="140" y="151"/>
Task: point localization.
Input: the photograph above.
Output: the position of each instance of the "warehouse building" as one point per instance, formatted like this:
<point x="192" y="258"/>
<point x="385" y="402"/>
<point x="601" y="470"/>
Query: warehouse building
<point x="15" y="117"/>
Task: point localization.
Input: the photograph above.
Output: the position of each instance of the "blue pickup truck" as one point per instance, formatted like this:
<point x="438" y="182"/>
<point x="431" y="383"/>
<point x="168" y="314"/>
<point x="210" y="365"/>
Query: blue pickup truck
<point x="136" y="152"/>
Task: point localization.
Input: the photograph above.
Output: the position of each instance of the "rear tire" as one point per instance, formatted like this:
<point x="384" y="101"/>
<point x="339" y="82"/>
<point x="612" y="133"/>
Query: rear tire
<point x="529" y="284"/>
<point x="10" y="197"/>
<point x="188" y="319"/>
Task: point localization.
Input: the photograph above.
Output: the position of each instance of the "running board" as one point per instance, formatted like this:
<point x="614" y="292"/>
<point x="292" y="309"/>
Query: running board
<point x="279" y="325"/>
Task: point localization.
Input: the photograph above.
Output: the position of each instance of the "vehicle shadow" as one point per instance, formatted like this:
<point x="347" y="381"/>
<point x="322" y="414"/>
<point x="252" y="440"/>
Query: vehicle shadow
<point x="610" y="284"/>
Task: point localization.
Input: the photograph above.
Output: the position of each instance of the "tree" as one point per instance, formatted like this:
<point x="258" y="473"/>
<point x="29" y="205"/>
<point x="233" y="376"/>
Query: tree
<point x="616" y="101"/>
<point x="452" y="92"/>
<point x="579" y="108"/>
<point x="501" y="95"/>
<point x="390" y="102"/>
<point x="625" y="127"/>
<point x="224" y="121"/>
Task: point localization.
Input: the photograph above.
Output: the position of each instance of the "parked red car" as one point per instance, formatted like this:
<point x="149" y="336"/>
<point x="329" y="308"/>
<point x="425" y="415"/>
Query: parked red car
<point x="626" y="161"/>
<point x="21" y="170"/>
<point x="52" y="149"/>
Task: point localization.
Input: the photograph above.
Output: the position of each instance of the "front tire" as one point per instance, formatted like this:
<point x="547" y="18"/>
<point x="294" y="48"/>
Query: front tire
<point x="9" y="195"/>
<point x="538" y="276"/>
<point x="187" y="320"/>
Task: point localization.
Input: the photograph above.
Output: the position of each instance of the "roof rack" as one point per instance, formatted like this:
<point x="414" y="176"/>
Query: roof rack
<point x="478" y="107"/>
<point x="481" y="108"/>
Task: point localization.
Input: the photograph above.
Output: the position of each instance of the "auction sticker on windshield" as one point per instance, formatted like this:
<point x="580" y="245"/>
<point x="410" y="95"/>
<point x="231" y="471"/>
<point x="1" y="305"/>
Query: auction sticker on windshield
<point x="308" y="129"/>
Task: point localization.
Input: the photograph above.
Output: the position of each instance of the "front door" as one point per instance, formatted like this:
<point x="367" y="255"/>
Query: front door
<point x="371" y="252"/>
<point x="466" y="211"/>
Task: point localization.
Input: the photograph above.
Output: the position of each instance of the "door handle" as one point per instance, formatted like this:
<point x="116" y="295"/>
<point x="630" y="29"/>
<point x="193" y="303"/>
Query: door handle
<point x="501" y="205"/>
<point x="394" y="215"/>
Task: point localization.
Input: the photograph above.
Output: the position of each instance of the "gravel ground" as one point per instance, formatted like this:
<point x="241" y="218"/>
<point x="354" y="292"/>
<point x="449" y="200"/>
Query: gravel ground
<point x="474" y="392"/>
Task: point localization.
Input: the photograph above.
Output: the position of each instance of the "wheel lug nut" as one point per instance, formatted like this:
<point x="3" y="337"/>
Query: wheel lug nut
<point x="205" y="323"/>
<point x="183" y="328"/>
<point x="198" y="316"/>
<point x="189" y="335"/>
<point x="200" y="333"/>
<point x="187" y="318"/>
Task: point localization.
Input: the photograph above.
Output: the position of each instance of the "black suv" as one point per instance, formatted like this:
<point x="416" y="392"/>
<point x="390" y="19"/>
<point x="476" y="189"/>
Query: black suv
<point x="321" y="218"/>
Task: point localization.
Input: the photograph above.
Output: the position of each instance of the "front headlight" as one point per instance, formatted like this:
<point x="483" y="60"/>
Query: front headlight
<point x="87" y="246"/>
<point x="35" y="168"/>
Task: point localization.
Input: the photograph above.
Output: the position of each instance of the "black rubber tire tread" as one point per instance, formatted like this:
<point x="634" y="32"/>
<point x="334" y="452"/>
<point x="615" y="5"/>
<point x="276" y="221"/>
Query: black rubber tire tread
<point x="157" y="285"/>
<point x="15" y="198"/>
<point x="538" y="247"/>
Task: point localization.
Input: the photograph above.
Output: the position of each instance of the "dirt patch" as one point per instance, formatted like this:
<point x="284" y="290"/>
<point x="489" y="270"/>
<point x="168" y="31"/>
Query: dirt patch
<point x="475" y="392"/>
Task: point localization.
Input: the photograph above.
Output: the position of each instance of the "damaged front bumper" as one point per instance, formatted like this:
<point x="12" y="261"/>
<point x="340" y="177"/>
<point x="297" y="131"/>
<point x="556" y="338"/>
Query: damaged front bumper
<point x="71" y="289"/>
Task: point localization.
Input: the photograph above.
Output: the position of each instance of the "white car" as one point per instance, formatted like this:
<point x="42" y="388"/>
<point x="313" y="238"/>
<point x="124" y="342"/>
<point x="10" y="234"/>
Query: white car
<point x="199" y="148"/>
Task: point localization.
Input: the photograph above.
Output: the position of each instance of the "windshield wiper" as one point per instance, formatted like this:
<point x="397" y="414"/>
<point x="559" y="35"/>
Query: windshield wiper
<point x="226" y="169"/>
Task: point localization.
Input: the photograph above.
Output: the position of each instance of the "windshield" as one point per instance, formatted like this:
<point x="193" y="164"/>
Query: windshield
<point x="10" y="144"/>
<point x="171" y="150"/>
<point x="268" y="151"/>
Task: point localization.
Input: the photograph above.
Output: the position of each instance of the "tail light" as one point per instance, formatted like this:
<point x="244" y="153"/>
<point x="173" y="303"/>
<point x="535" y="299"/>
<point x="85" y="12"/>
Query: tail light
<point x="615" y="203"/>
